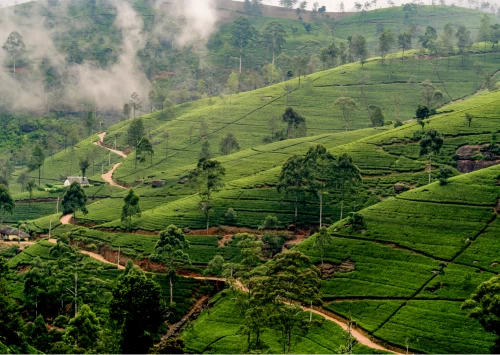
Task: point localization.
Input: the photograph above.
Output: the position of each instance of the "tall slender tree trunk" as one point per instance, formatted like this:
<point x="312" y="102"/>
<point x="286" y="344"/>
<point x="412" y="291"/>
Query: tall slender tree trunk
<point x="342" y="207"/>
<point x="14" y="66"/>
<point x="273" y="56"/>
<point x="430" y="167"/>
<point x="241" y="58"/>
<point x="295" y="223"/>
<point x="321" y="212"/>
<point x="39" y="175"/>
<point x="171" y="291"/>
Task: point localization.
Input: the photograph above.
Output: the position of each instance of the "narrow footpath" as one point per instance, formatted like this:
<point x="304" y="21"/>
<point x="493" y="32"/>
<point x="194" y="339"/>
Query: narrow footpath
<point x="357" y="334"/>
<point x="108" y="177"/>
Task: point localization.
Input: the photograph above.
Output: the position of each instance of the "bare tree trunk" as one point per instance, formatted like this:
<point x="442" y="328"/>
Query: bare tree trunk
<point x="241" y="55"/>
<point x="430" y="167"/>
<point x="171" y="291"/>
<point x="342" y="207"/>
<point x="321" y="213"/>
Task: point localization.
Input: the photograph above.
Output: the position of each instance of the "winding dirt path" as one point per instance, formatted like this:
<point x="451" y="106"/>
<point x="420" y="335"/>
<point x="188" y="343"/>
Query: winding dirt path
<point x="100" y="144"/>
<point x="108" y="177"/>
<point x="357" y="334"/>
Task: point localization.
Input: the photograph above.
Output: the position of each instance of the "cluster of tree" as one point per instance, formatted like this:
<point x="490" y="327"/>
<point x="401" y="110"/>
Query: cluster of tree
<point x="68" y="290"/>
<point x="317" y="173"/>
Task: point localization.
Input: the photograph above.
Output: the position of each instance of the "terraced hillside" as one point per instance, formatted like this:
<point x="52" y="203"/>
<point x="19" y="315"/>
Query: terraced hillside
<point x="416" y="259"/>
<point x="177" y="142"/>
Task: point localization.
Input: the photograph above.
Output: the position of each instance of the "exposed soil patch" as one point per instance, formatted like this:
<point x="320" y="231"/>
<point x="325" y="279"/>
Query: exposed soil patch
<point x="495" y="264"/>
<point x="329" y="270"/>
<point x="224" y="240"/>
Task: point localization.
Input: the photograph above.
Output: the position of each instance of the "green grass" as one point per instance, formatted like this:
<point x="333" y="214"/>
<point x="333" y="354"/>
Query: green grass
<point x="436" y="327"/>
<point x="216" y="331"/>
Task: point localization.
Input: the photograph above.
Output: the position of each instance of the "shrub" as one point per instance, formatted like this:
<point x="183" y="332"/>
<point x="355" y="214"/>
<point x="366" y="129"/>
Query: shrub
<point x="356" y="221"/>
<point x="398" y="123"/>
<point x="61" y="321"/>
<point x="270" y="222"/>
<point x="230" y="215"/>
<point x="92" y="247"/>
<point x="444" y="174"/>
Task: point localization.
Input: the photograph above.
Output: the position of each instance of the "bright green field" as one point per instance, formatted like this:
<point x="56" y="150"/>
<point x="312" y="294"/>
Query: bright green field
<point x="216" y="331"/>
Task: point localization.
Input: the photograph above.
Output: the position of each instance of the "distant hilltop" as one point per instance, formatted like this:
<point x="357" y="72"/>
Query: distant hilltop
<point x="227" y="8"/>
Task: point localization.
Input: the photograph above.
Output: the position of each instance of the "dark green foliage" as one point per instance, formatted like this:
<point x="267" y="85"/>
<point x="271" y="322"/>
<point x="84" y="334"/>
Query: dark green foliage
<point x="83" y="330"/>
<point x="7" y="204"/>
<point x="445" y="173"/>
<point x="144" y="148"/>
<point x="172" y="243"/>
<point x="377" y="117"/>
<point x="75" y="199"/>
<point x="293" y="120"/>
<point x="130" y="207"/>
<point x="422" y="112"/>
<point x="207" y="177"/>
<point x="84" y="164"/>
<point x="137" y="306"/>
<point x="36" y="161"/>
<point x="229" y="144"/>
<point x="135" y="133"/>
<point x="356" y="221"/>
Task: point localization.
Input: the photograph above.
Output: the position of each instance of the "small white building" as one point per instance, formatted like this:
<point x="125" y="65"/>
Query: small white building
<point x="83" y="181"/>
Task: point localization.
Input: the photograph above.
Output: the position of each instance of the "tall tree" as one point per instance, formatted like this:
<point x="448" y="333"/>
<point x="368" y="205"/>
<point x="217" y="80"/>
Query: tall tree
<point x="144" y="148"/>
<point x="274" y="35"/>
<point x="15" y="47"/>
<point x="83" y="330"/>
<point x="485" y="31"/>
<point x="322" y="240"/>
<point x="75" y="199"/>
<point x="428" y="38"/>
<point x="84" y="165"/>
<point x="289" y="277"/>
<point x="30" y="187"/>
<point x="229" y="144"/>
<point x="130" y="207"/>
<point x="138" y="307"/>
<point x="126" y="111"/>
<point x="347" y="105"/>
<point x="135" y="102"/>
<point x="36" y="161"/>
<point x="208" y="179"/>
<point x="293" y="181"/>
<point x="484" y="305"/>
<point x="464" y="41"/>
<point x="172" y="243"/>
<point x="359" y="48"/>
<point x="386" y="41"/>
<point x="293" y="120"/>
<point x="447" y="39"/>
<point x="7" y="203"/>
<point x="89" y="122"/>
<point x="431" y="144"/>
<point x="404" y="42"/>
<point x="348" y="177"/>
<point x="322" y="171"/>
<point x="299" y="65"/>
<point x="135" y="133"/>
<point x="243" y="34"/>
<point x="23" y="179"/>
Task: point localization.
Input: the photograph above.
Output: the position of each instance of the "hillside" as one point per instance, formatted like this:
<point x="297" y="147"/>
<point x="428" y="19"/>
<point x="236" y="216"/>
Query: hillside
<point x="286" y="208"/>
<point x="254" y="160"/>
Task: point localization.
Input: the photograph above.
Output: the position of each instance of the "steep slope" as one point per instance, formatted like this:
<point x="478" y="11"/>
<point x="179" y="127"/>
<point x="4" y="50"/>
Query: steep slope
<point x="394" y="289"/>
